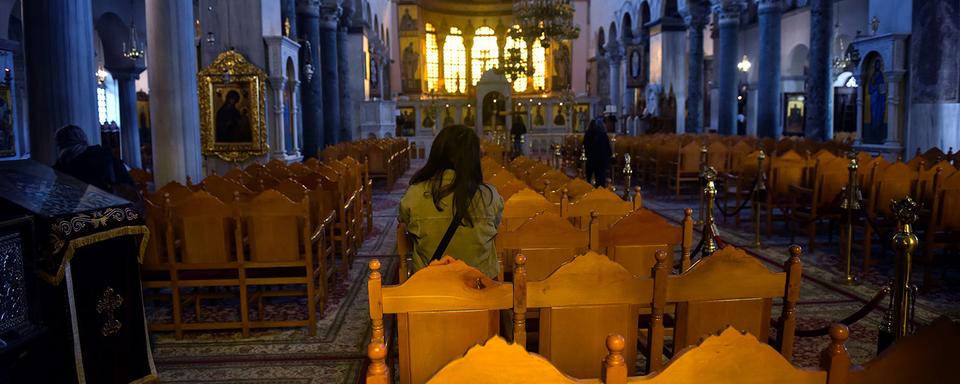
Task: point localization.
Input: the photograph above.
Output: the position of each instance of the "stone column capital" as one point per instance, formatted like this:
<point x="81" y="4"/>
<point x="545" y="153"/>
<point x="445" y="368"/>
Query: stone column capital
<point x="308" y="7"/>
<point x="615" y="51"/>
<point x="695" y="14"/>
<point x="330" y="16"/>
<point x="764" y="6"/>
<point x="728" y="11"/>
<point x="131" y="73"/>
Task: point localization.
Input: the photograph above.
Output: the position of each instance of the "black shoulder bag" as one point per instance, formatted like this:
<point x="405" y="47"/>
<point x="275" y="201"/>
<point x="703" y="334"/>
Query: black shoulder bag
<point x="454" y="224"/>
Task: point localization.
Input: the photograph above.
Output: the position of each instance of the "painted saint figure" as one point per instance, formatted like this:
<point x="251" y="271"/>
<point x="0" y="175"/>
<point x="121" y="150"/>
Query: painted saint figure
<point x="232" y="124"/>
<point x="878" y="99"/>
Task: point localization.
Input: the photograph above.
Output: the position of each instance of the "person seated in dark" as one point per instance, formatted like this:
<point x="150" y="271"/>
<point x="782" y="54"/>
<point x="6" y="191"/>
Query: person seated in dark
<point x="232" y="124"/>
<point x="598" y="151"/>
<point x="93" y="164"/>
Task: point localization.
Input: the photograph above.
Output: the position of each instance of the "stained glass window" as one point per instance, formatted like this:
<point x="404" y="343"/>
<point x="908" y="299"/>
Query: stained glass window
<point x="454" y="62"/>
<point x="433" y="59"/>
<point x="485" y="54"/>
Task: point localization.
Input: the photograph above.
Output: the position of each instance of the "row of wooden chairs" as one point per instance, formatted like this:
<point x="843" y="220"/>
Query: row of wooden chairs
<point x="221" y="250"/>
<point x="448" y="306"/>
<point x="339" y="205"/>
<point x="387" y="158"/>
<point x="730" y="356"/>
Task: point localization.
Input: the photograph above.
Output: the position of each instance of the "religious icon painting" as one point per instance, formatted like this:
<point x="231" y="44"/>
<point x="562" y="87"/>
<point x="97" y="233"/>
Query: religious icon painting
<point x="539" y="115"/>
<point x="794" y="114"/>
<point x="634" y="67"/>
<point x="232" y="103"/>
<point x="581" y="117"/>
<point x="407" y="121"/>
<point x="7" y="137"/>
<point x="560" y="117"/>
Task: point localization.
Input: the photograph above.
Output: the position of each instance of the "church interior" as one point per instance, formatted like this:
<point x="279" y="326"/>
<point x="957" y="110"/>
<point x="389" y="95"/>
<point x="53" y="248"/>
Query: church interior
<point x="211" y="191"/>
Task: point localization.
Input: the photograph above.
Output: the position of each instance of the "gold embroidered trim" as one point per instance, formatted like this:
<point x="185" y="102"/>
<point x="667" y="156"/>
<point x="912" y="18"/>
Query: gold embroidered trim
<point x="96" y="238"/>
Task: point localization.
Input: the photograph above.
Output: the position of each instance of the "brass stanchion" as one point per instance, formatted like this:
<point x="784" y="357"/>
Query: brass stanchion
<point x="627" y="176"/>
<point x="758" y="187"/>
<point x="905" y="242"/>
<point x="558" y="160"/>
<point x="850" y="203"/>
<point x="583" y="162"/>
<point x="709" y="228"/>
<point x="703" y="168"/>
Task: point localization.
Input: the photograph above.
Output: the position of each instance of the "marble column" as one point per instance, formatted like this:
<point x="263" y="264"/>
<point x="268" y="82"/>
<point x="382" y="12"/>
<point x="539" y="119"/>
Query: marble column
<point x="768" y="88"/>
<point x="174" y="108"/>
<point x="278" y="145"/>
<point x="62" y="90"/>
<point x="329" y="74"/>
<point x="129" y="127"/>
<point x="615" y="59"/>
<point x="296" y="127"/>
<point x="728" y="12"/>
<point x="893" y="78"/>
<point x="819" y="114"/>
<point x="695" y="16"/>
<point x="311" y="91"/>
<point x="348" y="126"/>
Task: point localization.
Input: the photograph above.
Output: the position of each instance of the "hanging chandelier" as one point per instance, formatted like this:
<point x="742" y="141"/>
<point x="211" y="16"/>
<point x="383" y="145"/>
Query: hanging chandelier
<point x="548" y="20"/>
<point x="134" y="51"/>
<point x="513" y="64"/>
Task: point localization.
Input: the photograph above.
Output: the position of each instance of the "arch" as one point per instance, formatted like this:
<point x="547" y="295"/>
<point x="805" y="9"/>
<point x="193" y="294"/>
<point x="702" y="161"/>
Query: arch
<point x="601" y="42"/>
<point x="10" y="8"/>
<point x="376" y="25"/>
<point x="797" y="61"/>
<point x="113" y="33"/>
<point x="626" y="25"/>
<point x="366" y="12"/>
<point x="612" y="32"/>
<point x="644" y="14"/>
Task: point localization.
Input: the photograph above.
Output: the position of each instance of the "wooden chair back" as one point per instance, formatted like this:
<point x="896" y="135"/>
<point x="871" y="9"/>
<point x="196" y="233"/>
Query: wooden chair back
<point x="645" y="228"/>
<point x="293" y="190"/>
<point x="577" y="188"/>
<point x="786" y="170"/>
<point x="601" y="201"/>
<point x="718" y="156"/>
<point x="580" y="303"/>
<point x="226" y="190"/>
<point x="277" y="228"/>
<point x="156" y="219"/>
<point x="205" y="228"/>
<point x="442" y="310"/>
<point x="895" y="182"/>
<point x="946" y="206"/>
<point x="727" y="357"/>
<point x="926" y="357"/>
<point x="173" y="191"/>
<point x="638" y="259"/>
<point x="928" y="180"/>
<point x="830" y="178"/>
<point x="544" y="231"/>
<point x="729" y="287"/>
<point x="522" y="206"/>
<point x="688" y="157"/>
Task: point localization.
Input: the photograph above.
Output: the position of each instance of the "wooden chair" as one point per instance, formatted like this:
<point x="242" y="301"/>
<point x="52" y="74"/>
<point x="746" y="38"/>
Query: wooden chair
<point x="821" y="201"/>
<point x="607" y="206"/>
<point x="726" y="288"/>
<point x="281" y="253"/>
<point x="203" y="241"/>
<point x="225" y="189"/>
<point x="896" y="182"/>
<point x="926" y="357"/>
<point x="442" y="310"/>
<point x="156" y="271"/>
<point x="580" y="303"/>
<point x="727" y="357"/>
<point x="545" y="231"/>
<point x="785" y="170"/>
<point x="646" y="228"/>
<point x="686" y="166"/>
<point x="173" y="191"/>
<point x="944" y="224"/>
<point x="522" y="206"/>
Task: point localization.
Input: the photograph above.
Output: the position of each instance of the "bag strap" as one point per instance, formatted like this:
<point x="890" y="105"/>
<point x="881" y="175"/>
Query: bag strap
<point x="447" y="236"/>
